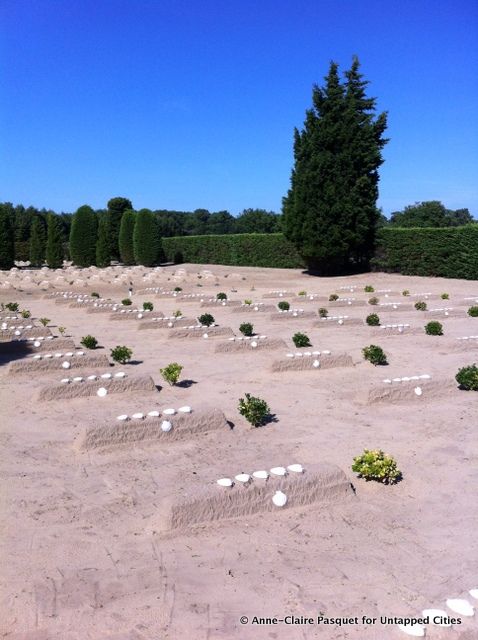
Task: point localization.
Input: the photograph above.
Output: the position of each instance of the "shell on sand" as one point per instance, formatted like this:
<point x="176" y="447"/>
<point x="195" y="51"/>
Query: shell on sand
<point x="243" y="477"/>
<point x="102" y="392"/>
<point x="415" y="630"/>
<point x="295" y="468"/>
<point x="461" y="606"/>
<point x="261" y="475"/>
<point x="225" y="482"/>
<point x="279" y="471"/>
<point x="166" y="426"/>
<point x="279" y="499"/>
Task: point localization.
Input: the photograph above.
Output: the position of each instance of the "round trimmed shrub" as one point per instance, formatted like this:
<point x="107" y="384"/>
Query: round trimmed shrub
<point x="473" y="312"/>
<point x="126" y="302"/>
<point x="445" y="296"/>
<point x="405" y="292"/>
<point x="376" y="465"/>
<point x="434" y="328"/>
<point x="247" y="329"/>
<point x="283" y="305"/>
<point x="148" y="306"/>
<point x="94" y="294"/>
<point x="177" y="289"/>
<point x="372" y="320"/>
<point x="206" y="319"/>
<point x="373" y="301"/>
<point x="333" y="297"/>
<point x="301" y="340"/>
<point x="420" y="305"/>
<point x="25" y="313"/>
<point x="323" y="312"/>
<point x="467" y="378"/>
<point x="90" y="342"/>
<point x="221" y="296"/>
<point x="369" y="289"/>
<point x="171" y="373"/>
<point x="255" y="410"/>
<point x="374" y="354"/>
<point x="121" y="354"/>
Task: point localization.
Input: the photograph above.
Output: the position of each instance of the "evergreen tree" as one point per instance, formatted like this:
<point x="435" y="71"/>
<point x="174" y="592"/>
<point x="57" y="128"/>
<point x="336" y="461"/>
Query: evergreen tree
<point x="103" y="245"/>
<point x="7" y="243"/>
<point x="126" y="237"/>
<point x="54" y="242"/>
<point x="146" y="241"/>
<point x="83" y="237"/>
<point x="116" y="208"/>
<point x="37" y="242"/>
<point x="330" y="211"/>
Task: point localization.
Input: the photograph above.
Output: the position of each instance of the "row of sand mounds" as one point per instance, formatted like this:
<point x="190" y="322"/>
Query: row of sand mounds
<point x="184" y="427"/>
<point x="22" y="334"/>
<point x="416" y="390"/>
<point x="316" y="361"/>
<point x="56" y="364"/>
<point x="395" y="330"/>
<point x="337" y="321"/>
<point x="250" y="308"/>
<point x="88" y="388"/>
<point x="27" y="347"/>
<point x="220" y="303"/>
<point x="200" y="332"/>
<point x="294" y="314"/>
<point x="135" y="315"/>
<point x="445" y="313"/>
<point x="254" y="344"/>
<point x="104" y="308"/>
<point x="165" y="323"/>
<point x="320" y="483"/>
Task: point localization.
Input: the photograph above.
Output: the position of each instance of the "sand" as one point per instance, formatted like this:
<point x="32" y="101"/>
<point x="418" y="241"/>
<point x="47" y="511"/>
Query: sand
<point x="134" y="540"/>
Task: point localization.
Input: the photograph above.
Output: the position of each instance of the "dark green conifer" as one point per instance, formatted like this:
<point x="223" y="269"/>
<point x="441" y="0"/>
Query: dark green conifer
<point x="146" y="238"/>
<point x="37" y="242"/>
<point x="126" y="237"/>
<point x="83" y="237"/>
<point x="54" y="242"/>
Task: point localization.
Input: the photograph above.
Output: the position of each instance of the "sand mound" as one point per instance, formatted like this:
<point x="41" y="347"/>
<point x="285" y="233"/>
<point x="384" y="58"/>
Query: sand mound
<point x="220" y="303"/>
<point x="279" y="294"/>
<point x="55" y="364"/>
<point x="320" y="483"/>
<point x="106" y="307"/>
<point x="449" y="312"/>
<point x="35" y="332"/>
<point x="135" y="315"/>
<point x="405" y="391"/>
<point x="346" y="303"/>
<point x="395" y="330"/>
<point x="165" y="323"/>
<point x="27" y="347"/>
<point x="337" y="321"/>
<point x="304" y="363"/>
<point x="246" y="345"/>
<point x="293" y="314"/>
<point x="200" y="332"/>
<point x="89" y="388"/>
<point x="466" y="343"/>
<point x="251" y="308"/>
<point x="185" y="426"/>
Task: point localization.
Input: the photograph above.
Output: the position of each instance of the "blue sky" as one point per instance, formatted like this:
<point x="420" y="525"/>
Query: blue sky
<point x="184" y="104"/>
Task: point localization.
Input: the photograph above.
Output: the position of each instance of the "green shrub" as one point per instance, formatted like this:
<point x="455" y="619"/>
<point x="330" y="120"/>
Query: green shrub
<point x="148" y="306"/>
<point x="178" y="313"/>
<point x="445" y="296"/>
<point x="283" y="305"/>
<point x="95" y="294"/>
<point x="247" y="329"/>
<point x="44" y="321"/>
<point x="254" y="410"/>
<point x="301" y="340"/>
<point x="373" y="301"/>
<point x="125" y="237"/>
<point x="25" y="313"/>
<point x="333" y="297"/>
<point x="178" y="289"/>
<point x="126" y="302"/>
<point x="12" y="306"/>
<point x="62" y="330"/>
<point x="248" y="302"/>
<point x="121" y="354"/>
<point x="405" y="292"/>
<point x="206" y="319"/>
<point x="89" y="342"/>
<point x="221" y="296"/>
<point x="376" y="465"/>
<point x="83" y="230"/>
<point x="473" y="312"/>
<point x="302" y="293"/>
<point x="434" y="328"/>
<point x="323" y="312"/>
<point x="421" y="306"/>
<point x="171" y="373"/>
<point x="373" y="320"/>
<point x="374" y="354"/>
<point x="467" y="378"/>
<point x="146" y="240"/>
<point x="368" y="288"/>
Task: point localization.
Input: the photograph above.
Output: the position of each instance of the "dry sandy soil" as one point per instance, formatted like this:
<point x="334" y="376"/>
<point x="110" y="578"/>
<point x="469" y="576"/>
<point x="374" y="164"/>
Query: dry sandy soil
<point x="135" y="541"/>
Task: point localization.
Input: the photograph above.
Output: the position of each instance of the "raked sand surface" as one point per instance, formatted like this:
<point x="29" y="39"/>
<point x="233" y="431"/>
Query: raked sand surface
<point x="136" y="541"/>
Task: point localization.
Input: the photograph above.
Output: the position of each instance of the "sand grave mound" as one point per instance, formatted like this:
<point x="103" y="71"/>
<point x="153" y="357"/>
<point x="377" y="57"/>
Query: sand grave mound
<point x="88" y="388"/>
<point x="419" y="390"/>
<point x="445" y="312"/>
<point x="346" y="302"/>
<point x="292" y="313"/>
<point x="165" y="323"/>
<point x="184" y="427"/>
<point x="255" y="343"/>
<point x="23" y="334"/>
<point x="311" y="297"/>
<point x="28" y="346"/>
<point x="320" y="483"/>
<point x="195" y="297"/>
<point x="169" y="294"/>
<point x="393" y="307"/>
<point x="220" y="303"/>
<point x="394" y="330"/>
<point x="28" y="365"/>
<point x="200" y="332"/>
<point x="255" y="307"/>
<point x="337" y="321"/>
<point x="135" y="315"/>
<point x="279" y="294"/>
<point x="312" y="360"/>
<point x="464" y="343"/>
<point x="106" y="307"/>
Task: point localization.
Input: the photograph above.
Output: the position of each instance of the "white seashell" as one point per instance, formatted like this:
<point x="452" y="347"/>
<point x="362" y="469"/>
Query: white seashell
<point x="432" y="613"/>
<point x="170" y="324"/>
<point x="473" y="593"/>
<point x="463" y="607"/>
<point x="140" y="315"/>
<point x="169" y="412"/>
<point x="37" y="357"/>
<point x="243" y="477"/>
<point x="78" y="379"/>
<point x="205" y="335"/>
<point x="425" y="376"/>
<point x="106" y="376"/>
<point x="137" y="416"/>
<point x="80" y="353"/>
<point x="298" y="354"/>
<point x="65" y="380"/>
<point x="413" y="630"/>
<point x="92" y="377"/>
<point x="166" y="426"/>
<point x="225" y="482"/>
<point x="296" y="468"/>
<point x="122" y="418"/>
<point x="316" y="364"/>
<point x="153" y="414"/>
<point x="58" y="355"/>
<point x="262" y="337"/>
<point x="17" y="333"/>
<point x="418" y="391"/>
<point x="68" y="354"/>
<point x="261" y="475"/>
<point x="326" y="353"/>
<point x="400" y="329"/>
<point x="289" y="355"/>
<point x="102" y="392"/>
<point x="396" y="379"/>
<point x="184" y="409"/>
<point x="279" y="499"/>
<point x="253" y="344"/>
<point x="120" y="374"/>
<point x="340" y="321"/>
<point x="65" y="364"/>
<point x="279" y="471"/>
<point x="387" y="381"/>
<point x="256" y="308"/>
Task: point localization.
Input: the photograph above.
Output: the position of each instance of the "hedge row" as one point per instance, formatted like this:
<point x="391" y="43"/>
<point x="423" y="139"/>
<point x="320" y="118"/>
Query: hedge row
<point x="240" y="250"/>
<point x="450" y="252"/>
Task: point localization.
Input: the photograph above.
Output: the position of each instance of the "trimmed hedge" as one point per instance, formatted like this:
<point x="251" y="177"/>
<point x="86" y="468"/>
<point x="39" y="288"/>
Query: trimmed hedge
<point x="450" y="252"/>
<point x="241" y="250"/>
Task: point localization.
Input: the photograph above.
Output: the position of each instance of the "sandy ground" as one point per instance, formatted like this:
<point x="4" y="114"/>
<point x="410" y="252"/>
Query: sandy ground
<point x="84" y="556"/>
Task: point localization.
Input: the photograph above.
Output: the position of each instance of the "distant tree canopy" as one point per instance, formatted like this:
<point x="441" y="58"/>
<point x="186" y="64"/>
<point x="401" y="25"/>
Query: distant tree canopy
<point x="7" y="244"/>
<point x="431" y="213"/>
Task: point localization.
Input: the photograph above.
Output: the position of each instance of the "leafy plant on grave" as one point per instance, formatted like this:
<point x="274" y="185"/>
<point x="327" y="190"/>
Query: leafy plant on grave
<point x="121" y="354"/>
<point x="62" y="330"/>
<point x="126" y="302"/>
<point x="178" y="313"/>
<point x="445" y="296"/>
<point x="323" y="312"/>
<point x="95" y="294"/>
<point x="375" y="355"/>
<point x="44" y="321"/>
<point x="467" y="378"/>
<point x="434" y="328"/>
<point x="301" y="340"/>
<point x="221" y="296"/>
<point x="302" y="293"/>
<point x="283" y="305"/>
<point x="255" y="410"/>
<point x="376" y="465"/>
<point x="420" y="305"/>
<point x="372" y="320"/>
<point x="206" y="319"/>
<point x="333" y="297"/>
<point x="368" y="288"/>
<point x="178" y="289"/>
<point x="247" y="329"/>
<point x="25" y="313"/>
<point x="148" y="306"/>
<point x="248" y="302"/>
<point x="171" y="373"/>
<point x="373" y="301"/>
<point x="12" y="306"/>
<point x="405" y="292"/>
<point x="473" y="312"/>
<point x="90" y="342"/>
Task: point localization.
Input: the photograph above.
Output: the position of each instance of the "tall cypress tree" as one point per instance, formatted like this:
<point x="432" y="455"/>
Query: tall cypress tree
<point x="146" y="238"/>
<point x="54" y="242"/>
<point x="330" y="210"/>
<point x="7" y="241"/>
<point x="116" y="208"/>
<point x="37" y="242"/>
<point x="126" y="237"/>
<point x="103" y="245"/>
<point x="83" y="237"/>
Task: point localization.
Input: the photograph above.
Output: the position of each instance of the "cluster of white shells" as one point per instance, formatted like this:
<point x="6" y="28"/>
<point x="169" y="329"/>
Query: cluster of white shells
<point x="421" y="295"/>
<point x="383" y="291"/>
<point x="140" y="312"/>
<point x="339" y="319"/>
<point x="104" y="376"/>
<point x="292" y="312"/>
<point x="307" y="354"/>
<point x="349" y="287"/>
<point x="11" y="318"/>
<point x="239" y="338"/>
<point x="36" y="341"/>
<point x="442" y="309"/>
<point x="20" y="328"/>
<point x="168" y="293"/>
<point x="47" y="356"/>
<point x="170" y="319"/>
<point x="193" y="295"/>
<point x="106" y="305"/>
<point x="468" y="338"/>
<point x="394" y="326"/>
<point x="166" y="425"/>
<point x="424" y="376"/>
<point x="394" y="305"/>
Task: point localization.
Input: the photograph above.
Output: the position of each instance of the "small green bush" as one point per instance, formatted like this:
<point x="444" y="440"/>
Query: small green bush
<point x="283" y="305"/>
<point x="373" y="301"/>
<point x="333" y="297"/>
<point x="405" y="292"/>
<point x="323" y="312"/>
<point x="221" y="296"/>
<point x="171" y="373"/>
<point x="44" y="321"/>
<point x="94" y="295"/>
<point x="369" y="289"/>
<point x="473" y="312"/>
<point x="121" y="354"/>
<point x="178" y="289"/>
<point x="373" y="320"/>
<point x="178" y="313"/>
<point x="302" y="293"/>
<point x="25" y="313"/>
<point x="62" y="330"/>
<point x="467" y="378"/>
<point x="12" y="306"/>
<point x="374" y="354"/>
<point x="445" y="296"/>
<point x="376" y="465"/>
<point x="206" y="319"/>
<point x="248" y="302"/>
<point x="90" y="342"/>
<point x="254" y="410"/>
<point x="301" y="340"/>
<point x="247" y="329"/>
<point x="148" y="306"/>
<point x="434" y="328"/>
<point x="126" y="302"/>
<point x="421" y="306"/>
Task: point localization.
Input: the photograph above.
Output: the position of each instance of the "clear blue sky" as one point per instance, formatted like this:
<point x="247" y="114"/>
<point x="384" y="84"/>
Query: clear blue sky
<point x="181" y="104"/>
